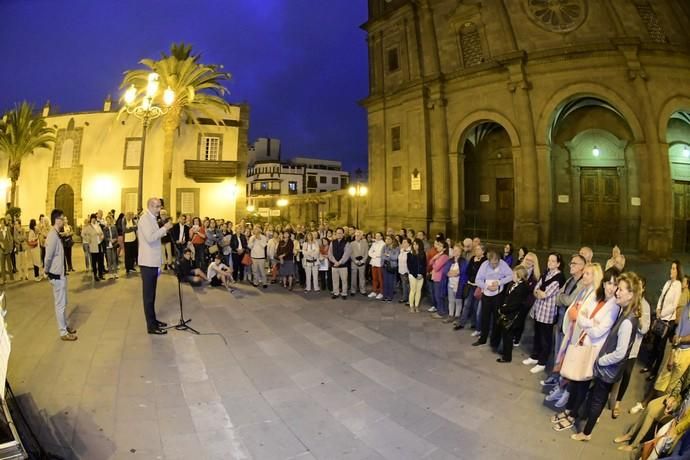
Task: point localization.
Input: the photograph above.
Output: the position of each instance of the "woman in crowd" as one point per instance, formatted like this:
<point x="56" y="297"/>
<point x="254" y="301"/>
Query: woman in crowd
<point x="67" y="236"/>
<point x="403" y="270"/>
<point x="131" y="246"/>
<point x="110" y="240"/>
<point x="508" y="254"/>
<point x="416" y="266"/>
<point x="218" y="273"/>
<point x="642" y="328"/>
<point x="225" y="248"/>
<point x="663" y="324"/>
<point x="325" y="280"/>
<point x="93" y="235"/>
<point x="197" y="236"/>
<point x="438" y="262"/>
<point x="214" y="237"/>
<point x="389" y="261"/>
<point x="587" y="323"/>
<point x="271" y="248"/>
<point x="608" y="367"/>
<point x="455" y="272"/>
<point x="531" y="263"/>
<point x="544" y="312"/>
<point x="286" y="254"/>
<point x="22" y="249"/>
<point x="310" y="260"/>
<point x="34" y="249"/>
<point x="470" y="310"/>
<point x="120" y="224"/>
<point x="375" y="252"/>
<point x="617" y="259"/>
<point x="522" y="252"/>
<point x="516" y="293"/>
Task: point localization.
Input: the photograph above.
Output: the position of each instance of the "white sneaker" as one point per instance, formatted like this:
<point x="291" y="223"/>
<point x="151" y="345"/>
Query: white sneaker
<point x="379" y="297"/>
<point x="372" y="295"/>
<point x="537" y="369"/>
<point x="529" y="361"/>
<point x="555" y="394"/>
<point x="431" y="310"/>
<point x="476" y="333"/>
<point x="563" y="400"/>
<point x="636" y="408"/>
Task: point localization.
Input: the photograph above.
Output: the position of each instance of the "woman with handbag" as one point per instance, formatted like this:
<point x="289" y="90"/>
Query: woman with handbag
<point x="471" y="307"/>
<point x="586" y="326"/>
<point x="662" y="330"/>
<point x="389" y="261"/>
<point x="516" y="293"/>
<point x="286" y="254"/>
<point x="608" y="367"/>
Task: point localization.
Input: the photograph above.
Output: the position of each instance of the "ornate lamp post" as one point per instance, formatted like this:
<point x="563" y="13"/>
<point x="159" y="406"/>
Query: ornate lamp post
<point x="356" y="192"/>
<point x="147" y="110"/>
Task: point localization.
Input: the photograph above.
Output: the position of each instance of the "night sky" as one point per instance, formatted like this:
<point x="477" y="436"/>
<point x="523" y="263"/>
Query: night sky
<point x="300" y="64"/>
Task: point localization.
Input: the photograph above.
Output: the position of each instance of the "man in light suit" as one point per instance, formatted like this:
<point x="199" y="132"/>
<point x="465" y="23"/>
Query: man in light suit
<point x="6" y="248"/>
<point x="149" y="236"/>
<point x="54" y="264"/>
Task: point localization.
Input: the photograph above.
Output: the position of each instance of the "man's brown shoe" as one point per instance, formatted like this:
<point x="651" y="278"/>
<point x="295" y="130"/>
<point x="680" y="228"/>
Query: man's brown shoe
<point x="69" y="337"/>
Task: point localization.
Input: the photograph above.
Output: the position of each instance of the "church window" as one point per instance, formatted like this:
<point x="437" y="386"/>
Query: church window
<point x="393" y="61"/>
<point x="395" y="138"/>
<point x="471" y="45"/>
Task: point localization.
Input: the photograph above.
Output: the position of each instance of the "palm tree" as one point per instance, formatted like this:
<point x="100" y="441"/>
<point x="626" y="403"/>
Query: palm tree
<point x="198" y="90"/>
<point x="21" y="132"/>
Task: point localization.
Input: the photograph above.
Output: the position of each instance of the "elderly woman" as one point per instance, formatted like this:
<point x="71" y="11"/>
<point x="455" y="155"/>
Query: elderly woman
<point x="389" y="261"/>
<point x="516" y="293"/>
<point x="110" y="239"/>
<point x="310" y="261"/>
<point x="286" y="255"/>
<point x="544" y="313"/>
<point x="93" y="236"/>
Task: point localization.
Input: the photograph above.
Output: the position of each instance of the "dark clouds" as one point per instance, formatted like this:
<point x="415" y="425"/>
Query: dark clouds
<point x="300" y="64"/>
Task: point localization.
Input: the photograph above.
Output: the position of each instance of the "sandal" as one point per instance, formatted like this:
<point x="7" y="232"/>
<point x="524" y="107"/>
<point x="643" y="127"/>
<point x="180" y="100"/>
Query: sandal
<point x="564" y="424"/>
<point x="558" y="417"/>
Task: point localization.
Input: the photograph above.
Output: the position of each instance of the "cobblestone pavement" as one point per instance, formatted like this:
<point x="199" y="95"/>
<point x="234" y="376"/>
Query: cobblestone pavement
<point x="276" y="375"/>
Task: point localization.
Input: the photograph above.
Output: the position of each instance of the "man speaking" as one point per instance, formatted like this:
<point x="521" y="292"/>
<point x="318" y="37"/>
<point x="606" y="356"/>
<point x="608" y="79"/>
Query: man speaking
<point x="149" y="236"/>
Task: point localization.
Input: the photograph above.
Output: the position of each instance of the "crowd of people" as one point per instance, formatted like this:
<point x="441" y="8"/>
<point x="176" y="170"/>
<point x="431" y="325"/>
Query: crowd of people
<point x="590" y="322"/>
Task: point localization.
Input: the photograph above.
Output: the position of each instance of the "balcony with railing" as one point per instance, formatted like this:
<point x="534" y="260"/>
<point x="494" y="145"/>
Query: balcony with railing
<point x="210" y="171"/>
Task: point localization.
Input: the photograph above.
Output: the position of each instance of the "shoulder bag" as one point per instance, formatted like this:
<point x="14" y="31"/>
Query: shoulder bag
<point x="578" y="362"/>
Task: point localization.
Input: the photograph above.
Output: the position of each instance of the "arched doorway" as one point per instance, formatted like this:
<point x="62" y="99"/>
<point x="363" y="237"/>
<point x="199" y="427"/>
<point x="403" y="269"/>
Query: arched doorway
<point x="594" y="176"/>
<point x="489" y="186"/>
<point x="678" y="139"/>
<point x="64" y="199"/>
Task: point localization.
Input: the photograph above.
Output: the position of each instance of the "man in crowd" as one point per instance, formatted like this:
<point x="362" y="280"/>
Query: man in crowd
<point x="54" y="264"/>
<point x="360" y="250"/>
<point x="339" y="255"/>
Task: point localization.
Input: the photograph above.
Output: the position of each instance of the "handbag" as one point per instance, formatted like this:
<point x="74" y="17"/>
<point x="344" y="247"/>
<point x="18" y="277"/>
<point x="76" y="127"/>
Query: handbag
<point x="660" y="327"/>
<point x="661" y="444"/>
<point x="213" y="249"/>
<point x="578" y="362"/>
<point x="478" y="293"/>
<point x="246" y="259"/>
<point x="389" y="267"/>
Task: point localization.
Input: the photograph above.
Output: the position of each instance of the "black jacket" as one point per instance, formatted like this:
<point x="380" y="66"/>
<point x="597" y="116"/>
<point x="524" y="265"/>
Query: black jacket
<point x="175" y="233"/>
<point x="235" y="243"/>
<point x="515" y="298"/>
<point x="416" y="264"/>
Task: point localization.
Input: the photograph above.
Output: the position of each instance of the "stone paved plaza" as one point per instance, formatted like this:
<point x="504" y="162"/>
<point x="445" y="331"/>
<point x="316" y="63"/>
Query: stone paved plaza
<point x="276" y="375"/>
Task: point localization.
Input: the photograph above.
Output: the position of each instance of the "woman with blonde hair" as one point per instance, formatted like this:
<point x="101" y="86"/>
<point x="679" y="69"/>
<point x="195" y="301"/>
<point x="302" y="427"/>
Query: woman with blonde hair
<point x="608" y="367"/>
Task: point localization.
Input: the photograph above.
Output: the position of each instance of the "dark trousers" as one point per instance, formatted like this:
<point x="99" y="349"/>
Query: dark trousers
<point x="440" y="298"/>
<point x="200" y="256"/>
<point x="97" y="265"/>
<point x="543" y="342"/>
<point x="388" y="284"/>
<point x="325" y="280"/>
<point x="578" y="394"/>
<point x="489" y="316"/>
<point x="68" y="257"/>
<point x="657" y="354"/>
<point x="130" y="255"/>
<point x="43" y="255"/>
<point x="520" y="323"/>
<point x="237" y="267"/>
<point x="506" y="335"/>
<point x="597" y="401"/>
<point x="149" y="279"/>
<point x="625" y="379"/>
<point x="13" y="259"/>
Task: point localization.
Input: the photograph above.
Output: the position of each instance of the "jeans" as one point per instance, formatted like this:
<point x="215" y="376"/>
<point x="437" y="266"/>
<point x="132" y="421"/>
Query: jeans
<point x="389" y="280"/>
<point x="598" y="399"/>
<point x="405" y="284"/>
<point x="112" y="260"/>
<point x="578" y="393"/>
<point x="87" y="256"/>
<point x="357" y="276"/>
<point x="454" y="304"/>
<point x="440" y="299"/>
<point x="431" y="291"/>
<point x="416" y="285"/>
<point x="469" y="312"/>
<point x="60" y="298"/>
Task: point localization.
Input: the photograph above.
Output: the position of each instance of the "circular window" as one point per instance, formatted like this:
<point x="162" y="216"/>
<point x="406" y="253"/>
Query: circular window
<point x="557" y="15"/>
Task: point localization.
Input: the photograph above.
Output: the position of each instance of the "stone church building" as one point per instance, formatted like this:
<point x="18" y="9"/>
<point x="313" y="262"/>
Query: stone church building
<point x="537" y="122"/>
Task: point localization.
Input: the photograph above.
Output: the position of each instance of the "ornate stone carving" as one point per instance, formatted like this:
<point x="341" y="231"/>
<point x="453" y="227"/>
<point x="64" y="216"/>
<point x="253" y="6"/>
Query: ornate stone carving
<point x="557" y="15"/>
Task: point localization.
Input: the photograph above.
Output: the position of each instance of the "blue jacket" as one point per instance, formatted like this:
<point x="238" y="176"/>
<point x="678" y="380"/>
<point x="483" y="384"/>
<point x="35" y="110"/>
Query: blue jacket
<point x="464" y="274"/>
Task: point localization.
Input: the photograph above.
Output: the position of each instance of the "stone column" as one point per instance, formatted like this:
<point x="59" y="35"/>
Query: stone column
<point x="438" y="177"/>
<point x="545" y="193"/>
<point x="455" y="208"/>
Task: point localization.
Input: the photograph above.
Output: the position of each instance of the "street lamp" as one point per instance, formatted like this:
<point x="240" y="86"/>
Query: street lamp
<point x="146" y="110"/>
<point x="356" y="192"/>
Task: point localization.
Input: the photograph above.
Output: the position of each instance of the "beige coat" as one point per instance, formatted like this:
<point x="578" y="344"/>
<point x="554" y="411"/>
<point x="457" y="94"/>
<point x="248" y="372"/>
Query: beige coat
<point x="92" y="236"/>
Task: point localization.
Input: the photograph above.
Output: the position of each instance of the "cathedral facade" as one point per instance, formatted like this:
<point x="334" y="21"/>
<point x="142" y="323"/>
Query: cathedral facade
<point x="542" y="123"/>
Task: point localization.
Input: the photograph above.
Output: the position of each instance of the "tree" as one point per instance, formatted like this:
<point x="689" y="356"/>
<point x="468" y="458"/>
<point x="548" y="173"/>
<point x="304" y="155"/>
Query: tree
<point x="198" y="90"/>
<point x="21" y="132"/>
